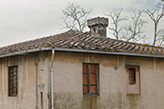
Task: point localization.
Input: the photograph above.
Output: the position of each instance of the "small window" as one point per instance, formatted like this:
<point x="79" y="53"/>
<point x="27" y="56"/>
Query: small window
<point x="133" y="79"/>
<point x="13" y="80"/>
<point x="90" y="78"/>
<point x="132" y="76"/>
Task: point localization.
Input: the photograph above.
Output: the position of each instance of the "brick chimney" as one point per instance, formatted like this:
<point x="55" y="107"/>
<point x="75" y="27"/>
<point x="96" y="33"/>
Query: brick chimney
<point x="98" y="26"/>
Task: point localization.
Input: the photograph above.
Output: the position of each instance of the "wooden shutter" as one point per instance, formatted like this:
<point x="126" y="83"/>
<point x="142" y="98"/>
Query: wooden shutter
<point x="90" y="78"/>
<point x="13" y="81"/>
<point x="85" y="79"/>
<point x="93" y="79"/>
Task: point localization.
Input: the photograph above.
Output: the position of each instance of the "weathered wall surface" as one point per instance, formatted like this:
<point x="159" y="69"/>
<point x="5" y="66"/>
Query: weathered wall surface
<point x="25" y="89"/>
<point x="112" y="85"/>
<point x="26" y="98"/>
<point x="68" y="92"/>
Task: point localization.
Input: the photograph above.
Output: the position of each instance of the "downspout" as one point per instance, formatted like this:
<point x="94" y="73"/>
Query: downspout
<point x="36" y="85"/>
<point x="52" y="93"/>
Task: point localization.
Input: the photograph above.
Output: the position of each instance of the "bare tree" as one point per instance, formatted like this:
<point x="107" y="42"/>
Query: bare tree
<point x="160" y="37"/>
<point x="156" y="16"/>
<point x="146" y="40"/>
<point x="134" y="30"/>
<point x="75" y="17"/>
<point x="116" y="19"/>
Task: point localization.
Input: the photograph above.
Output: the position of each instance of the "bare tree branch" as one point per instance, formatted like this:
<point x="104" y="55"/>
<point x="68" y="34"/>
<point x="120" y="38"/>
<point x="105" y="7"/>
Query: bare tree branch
<point x="156" y="16"/>
<point x="75" y="17"/>
<point x="160" y="37"/>
<point x="134" y="30"/>
<point x="116" y="19"/>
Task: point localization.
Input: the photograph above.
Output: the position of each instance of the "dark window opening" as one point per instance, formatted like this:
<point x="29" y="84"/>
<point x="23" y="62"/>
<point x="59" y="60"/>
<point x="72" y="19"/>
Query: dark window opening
<point x="13" y="80"/>
<point x="94" y="29"/>
<point x="41" y="94"/>
<point x="132" y="76"/>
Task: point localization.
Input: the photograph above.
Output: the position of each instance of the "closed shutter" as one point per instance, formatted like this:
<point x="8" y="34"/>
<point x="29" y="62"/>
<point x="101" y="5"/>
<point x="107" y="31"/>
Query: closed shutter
<point x="90" y="78"/>
<point x="93" y="79"/>
<point x="85" y="79"/>
<point x="13" y="81"/>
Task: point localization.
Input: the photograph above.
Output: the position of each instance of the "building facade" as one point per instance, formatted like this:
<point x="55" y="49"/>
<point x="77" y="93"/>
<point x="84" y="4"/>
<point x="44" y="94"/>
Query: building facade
<point x="89" y="72"/>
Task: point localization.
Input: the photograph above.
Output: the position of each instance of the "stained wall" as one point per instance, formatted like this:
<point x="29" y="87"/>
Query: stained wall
<point x="68" y="81"/>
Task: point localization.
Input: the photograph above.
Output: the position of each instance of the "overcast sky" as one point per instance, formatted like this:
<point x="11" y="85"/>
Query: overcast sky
<point x="22" y="20"/>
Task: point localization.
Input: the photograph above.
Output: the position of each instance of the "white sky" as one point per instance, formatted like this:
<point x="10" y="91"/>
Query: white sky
<point x="22" y="20"/>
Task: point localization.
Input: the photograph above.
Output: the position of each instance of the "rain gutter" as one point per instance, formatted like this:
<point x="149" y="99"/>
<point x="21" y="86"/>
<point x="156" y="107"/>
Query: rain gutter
<point x="83" y="51"/>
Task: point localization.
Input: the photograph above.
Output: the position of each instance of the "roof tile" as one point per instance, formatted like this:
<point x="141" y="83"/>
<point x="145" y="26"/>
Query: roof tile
<point x="79" y="40"/>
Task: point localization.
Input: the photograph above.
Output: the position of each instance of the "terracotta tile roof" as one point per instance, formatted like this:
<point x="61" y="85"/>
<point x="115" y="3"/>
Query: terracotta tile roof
<point x="78" y="40"/>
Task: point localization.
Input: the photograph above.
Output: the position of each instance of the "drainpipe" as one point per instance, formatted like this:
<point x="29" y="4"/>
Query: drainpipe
<point x="52" y="93"/>
<point x="36" y="85"/>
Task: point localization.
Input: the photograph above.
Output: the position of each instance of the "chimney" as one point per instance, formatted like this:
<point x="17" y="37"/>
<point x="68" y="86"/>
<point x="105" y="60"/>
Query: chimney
<point x="98" y="26"/>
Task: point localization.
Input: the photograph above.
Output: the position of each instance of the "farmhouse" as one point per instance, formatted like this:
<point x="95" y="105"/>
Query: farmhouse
<point x="81" y="70"/>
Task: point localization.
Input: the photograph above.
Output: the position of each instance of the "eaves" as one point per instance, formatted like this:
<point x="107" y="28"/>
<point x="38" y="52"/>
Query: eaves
<point x="83" y="51"/>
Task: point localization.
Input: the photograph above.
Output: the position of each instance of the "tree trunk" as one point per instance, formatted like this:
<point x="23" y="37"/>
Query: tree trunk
<point x="155" y="33"/>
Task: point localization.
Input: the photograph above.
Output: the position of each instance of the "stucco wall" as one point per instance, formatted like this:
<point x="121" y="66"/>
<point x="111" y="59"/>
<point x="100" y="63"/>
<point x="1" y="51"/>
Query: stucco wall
<point x="68" y="92"/>
<point x="26" y="98"/>
<point x="112" y="85"/>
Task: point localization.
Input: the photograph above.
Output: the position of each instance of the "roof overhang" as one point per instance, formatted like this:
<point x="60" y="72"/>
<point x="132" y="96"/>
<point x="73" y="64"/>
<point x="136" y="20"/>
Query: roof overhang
<point x="83" y="51"/>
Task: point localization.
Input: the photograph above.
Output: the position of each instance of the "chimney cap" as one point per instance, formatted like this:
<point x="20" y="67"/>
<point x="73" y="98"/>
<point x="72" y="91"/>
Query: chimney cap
<point x="97" y="21"/>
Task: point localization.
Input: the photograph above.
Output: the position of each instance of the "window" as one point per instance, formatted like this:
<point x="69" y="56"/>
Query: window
<point x="90" y="78"/>
<point x="132" y="76"/>
<point x="13" y="80"/>
<point x="133" y="79"/>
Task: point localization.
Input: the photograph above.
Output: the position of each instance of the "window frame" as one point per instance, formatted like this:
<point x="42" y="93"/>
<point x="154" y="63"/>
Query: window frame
<point x="13" y="76"/>
<point x="133" y="88"/>
<point x="89" y="78"/>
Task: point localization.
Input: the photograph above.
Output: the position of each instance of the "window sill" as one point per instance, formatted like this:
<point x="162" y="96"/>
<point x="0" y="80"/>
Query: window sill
<point x="12" y="96"/>
<point x="92" y="94"/>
